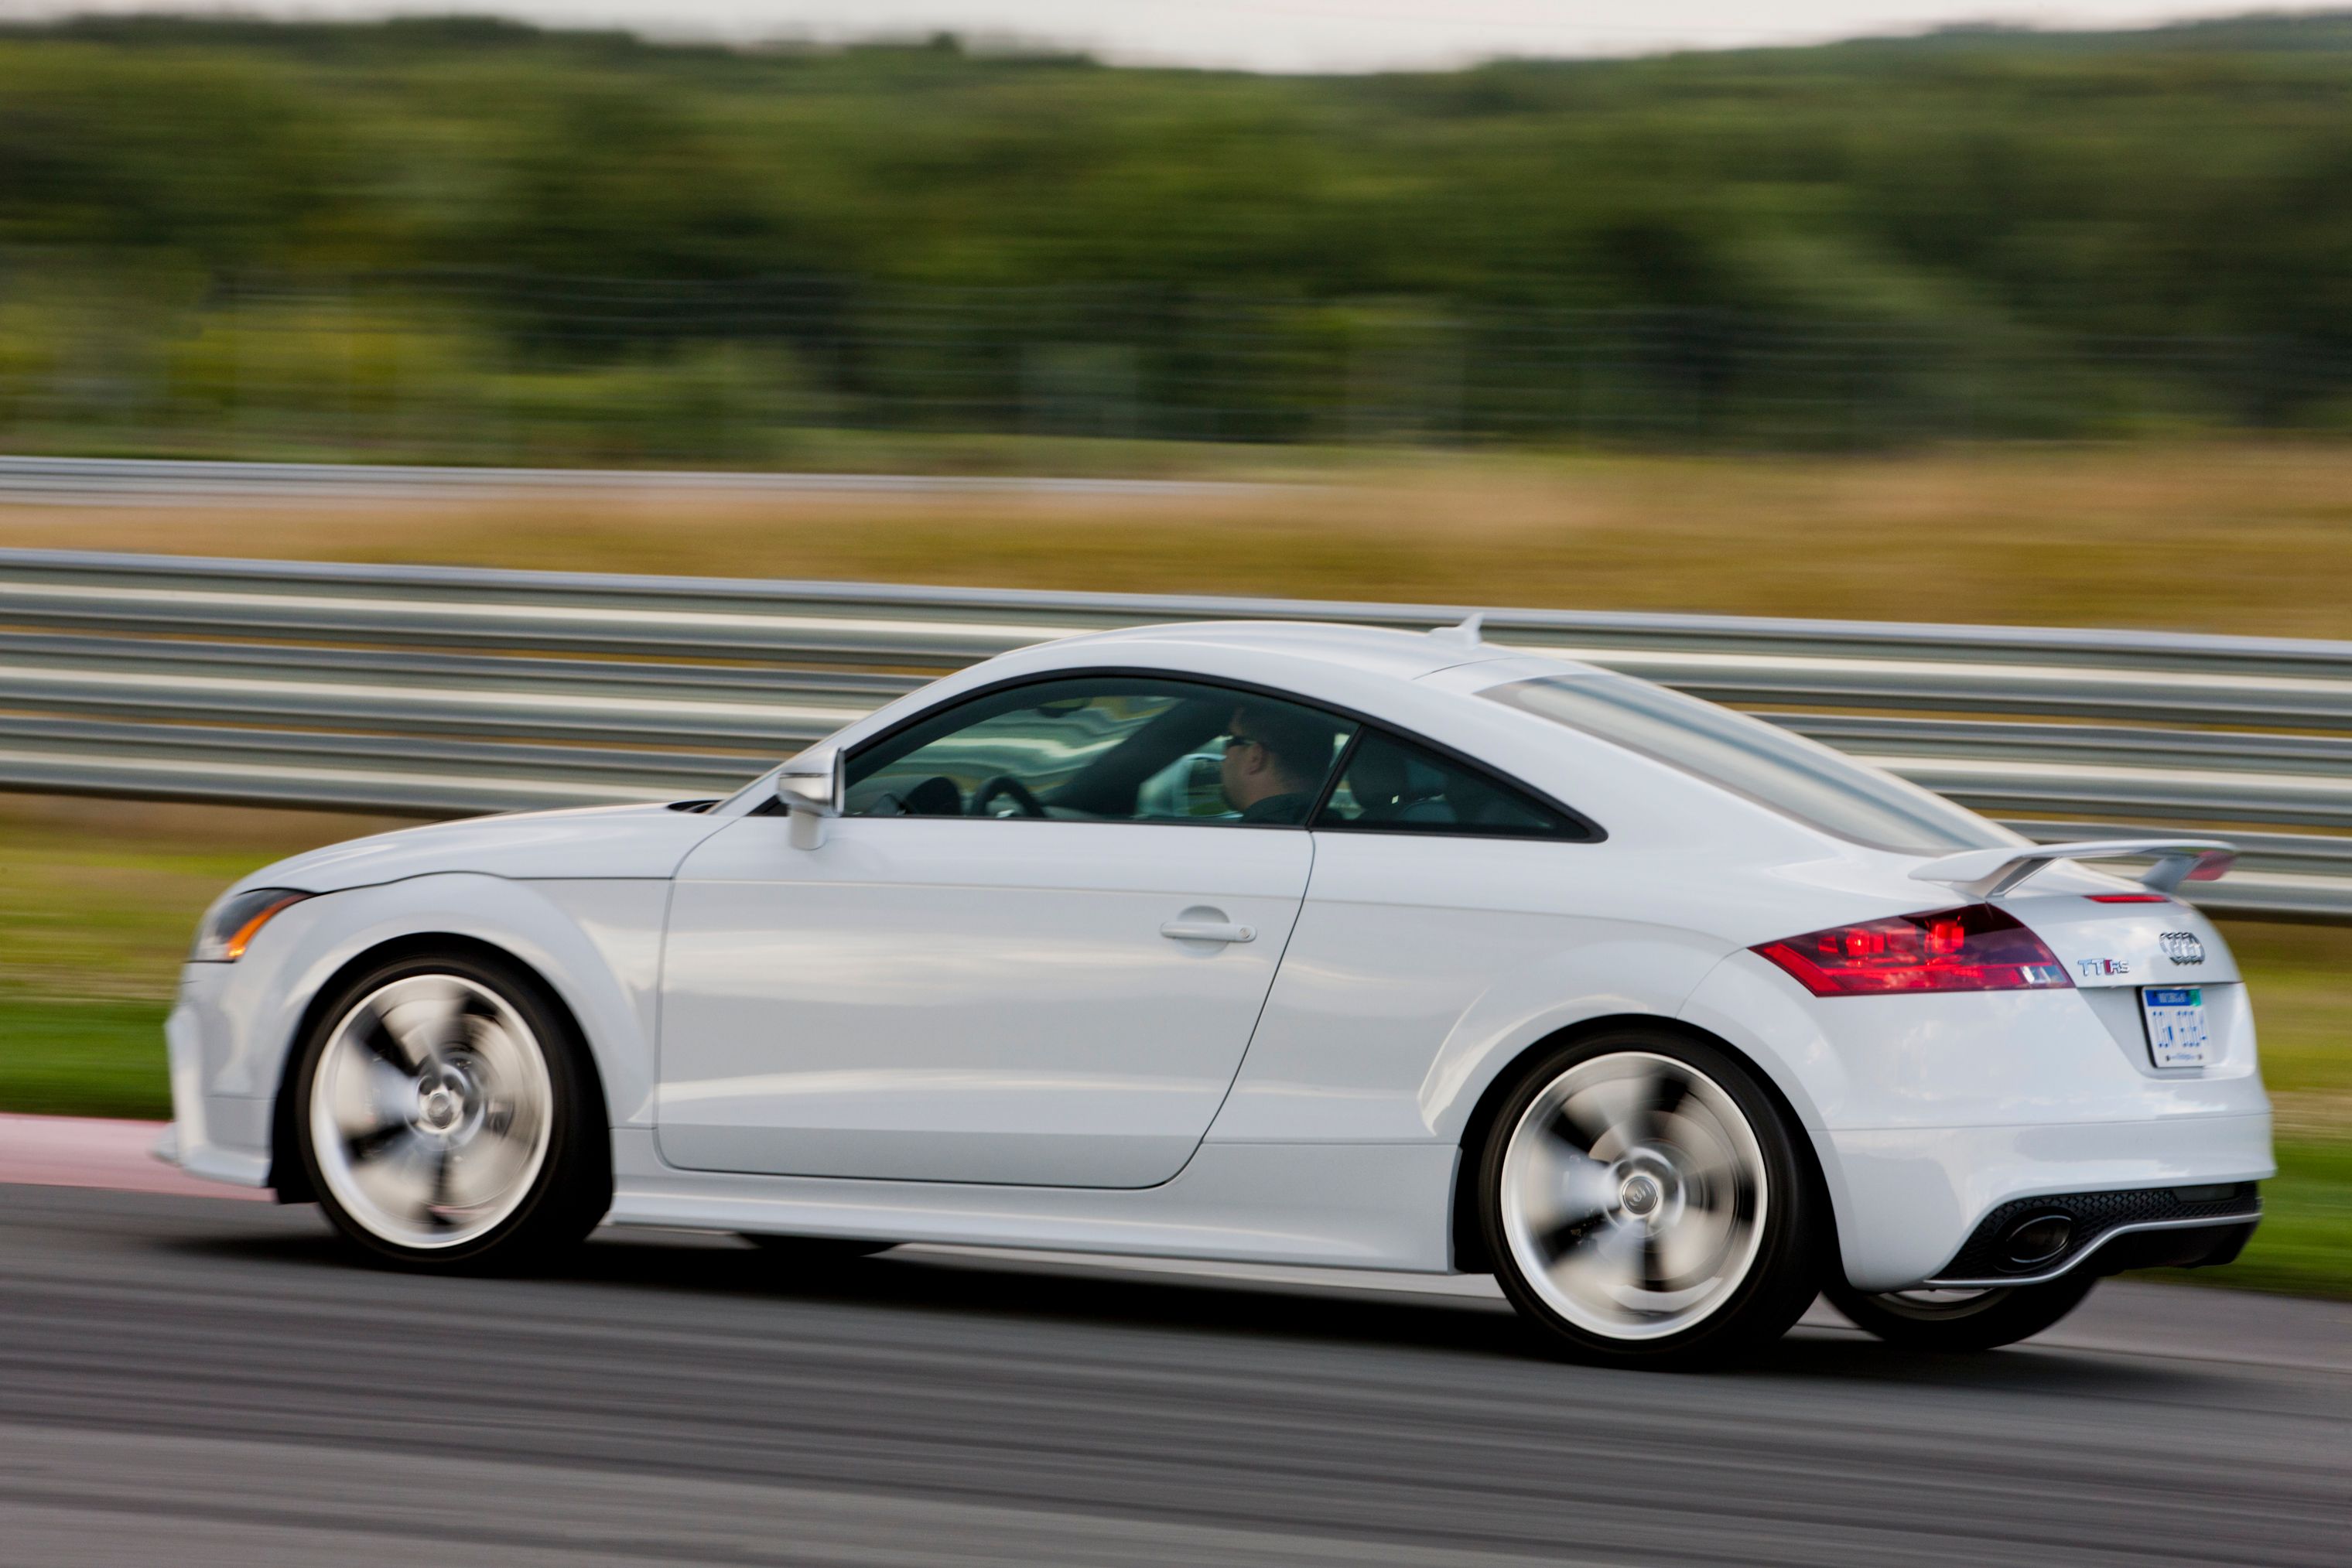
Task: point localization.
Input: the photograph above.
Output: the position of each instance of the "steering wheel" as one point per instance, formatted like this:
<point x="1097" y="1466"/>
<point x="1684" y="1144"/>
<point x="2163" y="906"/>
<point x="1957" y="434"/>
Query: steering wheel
<point x="1011" y="789"/>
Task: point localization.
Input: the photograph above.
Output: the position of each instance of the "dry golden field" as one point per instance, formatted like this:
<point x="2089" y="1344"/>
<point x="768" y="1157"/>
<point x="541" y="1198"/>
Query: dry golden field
<point x="2235" y="538"/>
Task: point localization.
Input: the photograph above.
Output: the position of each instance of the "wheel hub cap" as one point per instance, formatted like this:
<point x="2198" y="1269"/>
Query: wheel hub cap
<point x="1639" y="1195"/>
<point x="448" y="1103"/>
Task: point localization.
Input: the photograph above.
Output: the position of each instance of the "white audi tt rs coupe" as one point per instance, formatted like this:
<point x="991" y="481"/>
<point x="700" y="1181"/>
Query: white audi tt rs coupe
<point x="1278" y="943"/>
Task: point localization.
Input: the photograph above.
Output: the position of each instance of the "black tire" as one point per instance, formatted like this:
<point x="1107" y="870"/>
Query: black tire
<point x="815" y="1250"/>
<point x="1771" y="1198"/>
<point x="1957" y="1322"/>
<point x="544" y="1211"/>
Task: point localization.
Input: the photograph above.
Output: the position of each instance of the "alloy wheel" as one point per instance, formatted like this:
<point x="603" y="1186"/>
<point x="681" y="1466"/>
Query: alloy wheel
<point x="1633" y="1195"/>
<point x="431" y="1111"/>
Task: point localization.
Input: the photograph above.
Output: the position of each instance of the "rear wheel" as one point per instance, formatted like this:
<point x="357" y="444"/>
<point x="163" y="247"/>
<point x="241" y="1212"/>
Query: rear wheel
<point x="1643" y="1202"/>
<point x="1960" y="1320"/>
<point x="446" y="1117"/>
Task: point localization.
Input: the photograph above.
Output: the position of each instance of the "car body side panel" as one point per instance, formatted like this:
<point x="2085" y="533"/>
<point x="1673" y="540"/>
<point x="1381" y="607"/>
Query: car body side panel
<point x="961" y="1000"/>
<point x="1422" y="963"/>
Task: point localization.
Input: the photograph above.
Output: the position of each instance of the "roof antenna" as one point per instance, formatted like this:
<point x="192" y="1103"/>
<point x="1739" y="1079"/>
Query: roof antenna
<point x="1468" y="635"/>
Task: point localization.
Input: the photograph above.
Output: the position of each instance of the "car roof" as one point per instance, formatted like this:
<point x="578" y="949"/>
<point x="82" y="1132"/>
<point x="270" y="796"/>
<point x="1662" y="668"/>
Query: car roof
<point x="1373" y="649"/>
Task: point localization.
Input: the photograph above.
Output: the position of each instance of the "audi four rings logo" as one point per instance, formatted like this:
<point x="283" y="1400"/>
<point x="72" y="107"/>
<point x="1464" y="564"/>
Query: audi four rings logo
<point x="2182" y="947"/>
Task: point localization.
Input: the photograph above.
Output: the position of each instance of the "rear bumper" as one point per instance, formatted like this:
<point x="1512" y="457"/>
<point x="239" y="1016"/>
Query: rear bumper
<point x="1911" y="1202"/>
<point x="2104" y="1232"/>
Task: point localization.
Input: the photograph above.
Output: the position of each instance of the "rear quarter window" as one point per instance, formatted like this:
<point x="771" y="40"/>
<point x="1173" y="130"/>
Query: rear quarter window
<point x="1762" y="762"/>
<point x="1391" y="785"/>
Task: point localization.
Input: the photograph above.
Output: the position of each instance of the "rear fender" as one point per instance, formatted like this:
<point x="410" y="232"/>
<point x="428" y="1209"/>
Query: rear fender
<point x="1627" y="983"/>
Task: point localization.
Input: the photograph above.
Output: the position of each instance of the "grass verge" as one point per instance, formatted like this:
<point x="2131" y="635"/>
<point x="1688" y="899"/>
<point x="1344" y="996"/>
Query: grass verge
<point x="78" y="1056"/>
<point x="2305" y="1245"/>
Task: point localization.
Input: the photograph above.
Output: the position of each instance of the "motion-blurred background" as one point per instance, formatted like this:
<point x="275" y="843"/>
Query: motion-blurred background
<point x="464" y="240"/>
<point x="1973" y="325"/>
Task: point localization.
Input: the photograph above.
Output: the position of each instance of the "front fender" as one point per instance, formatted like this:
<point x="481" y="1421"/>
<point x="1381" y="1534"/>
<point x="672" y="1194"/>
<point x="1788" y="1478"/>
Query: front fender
<point x="596" y="944"/>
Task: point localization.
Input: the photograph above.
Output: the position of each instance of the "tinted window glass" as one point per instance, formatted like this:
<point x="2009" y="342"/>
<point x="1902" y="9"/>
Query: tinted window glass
<point x="1764" y="762"/>
<point x="1105" y="748"/>
<point x="1392" y="785"/>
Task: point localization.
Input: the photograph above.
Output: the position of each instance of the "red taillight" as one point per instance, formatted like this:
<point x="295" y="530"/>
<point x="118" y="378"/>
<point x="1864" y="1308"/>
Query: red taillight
<point x="1975" y="947"/>
<point x="2128" y="897"/>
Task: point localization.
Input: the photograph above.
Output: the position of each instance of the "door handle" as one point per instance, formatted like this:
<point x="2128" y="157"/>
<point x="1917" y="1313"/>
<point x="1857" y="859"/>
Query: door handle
<point x="1207" y="931"/>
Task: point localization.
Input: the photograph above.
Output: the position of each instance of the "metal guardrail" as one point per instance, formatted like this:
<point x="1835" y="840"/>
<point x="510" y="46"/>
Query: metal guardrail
<point x="442" y="690"/>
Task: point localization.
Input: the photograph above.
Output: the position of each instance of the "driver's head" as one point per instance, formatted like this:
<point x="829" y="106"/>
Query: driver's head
<point x="1273" y="750"/>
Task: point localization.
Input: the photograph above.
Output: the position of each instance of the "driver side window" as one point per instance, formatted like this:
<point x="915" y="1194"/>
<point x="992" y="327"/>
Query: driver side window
<point x="1105" y="748"/>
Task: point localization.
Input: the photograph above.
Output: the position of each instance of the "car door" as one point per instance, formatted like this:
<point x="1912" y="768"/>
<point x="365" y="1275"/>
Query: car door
<point x="1442" y="891"/>
<point x="1032" y="950"/>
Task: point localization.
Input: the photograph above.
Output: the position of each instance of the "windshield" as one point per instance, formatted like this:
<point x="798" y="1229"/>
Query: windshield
<point x="1761" y="761"/>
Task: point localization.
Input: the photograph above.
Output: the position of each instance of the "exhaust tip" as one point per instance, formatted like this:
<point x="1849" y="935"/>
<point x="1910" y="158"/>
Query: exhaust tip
<point x="2037" y="1239"/>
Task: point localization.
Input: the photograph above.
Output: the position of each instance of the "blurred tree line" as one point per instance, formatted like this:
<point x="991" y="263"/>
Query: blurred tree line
<point x="473" y="240"/>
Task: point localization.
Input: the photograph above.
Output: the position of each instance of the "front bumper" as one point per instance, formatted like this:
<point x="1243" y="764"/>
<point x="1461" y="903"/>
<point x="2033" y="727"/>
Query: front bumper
<point x="224" y="1137"/>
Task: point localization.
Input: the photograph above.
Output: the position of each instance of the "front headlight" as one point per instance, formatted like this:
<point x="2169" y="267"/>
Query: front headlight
<point x="230" y="925"/>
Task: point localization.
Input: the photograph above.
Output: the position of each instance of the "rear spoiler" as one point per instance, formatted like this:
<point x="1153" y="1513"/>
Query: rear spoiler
<point x="1987" y="874"/>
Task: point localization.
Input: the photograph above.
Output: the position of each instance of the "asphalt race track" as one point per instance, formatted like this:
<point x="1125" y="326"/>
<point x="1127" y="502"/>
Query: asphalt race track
<point x="200" y="1382"/>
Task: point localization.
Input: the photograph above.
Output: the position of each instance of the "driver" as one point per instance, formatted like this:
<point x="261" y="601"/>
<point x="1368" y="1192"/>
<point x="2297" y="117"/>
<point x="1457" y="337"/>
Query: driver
<point x="1276" y="756"/>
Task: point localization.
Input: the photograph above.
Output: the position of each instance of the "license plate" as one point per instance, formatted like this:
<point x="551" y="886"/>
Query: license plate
<point x="2176" y="1025"/>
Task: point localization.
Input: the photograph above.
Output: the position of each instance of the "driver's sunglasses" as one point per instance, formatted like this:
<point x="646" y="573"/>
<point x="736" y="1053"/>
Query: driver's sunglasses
<point x="1237" y="738"/>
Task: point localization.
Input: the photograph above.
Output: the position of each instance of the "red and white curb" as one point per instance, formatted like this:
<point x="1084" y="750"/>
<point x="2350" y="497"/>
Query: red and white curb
<point x="99" y="1152"/>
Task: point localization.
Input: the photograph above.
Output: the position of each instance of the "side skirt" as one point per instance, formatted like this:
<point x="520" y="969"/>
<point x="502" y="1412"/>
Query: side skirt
<point x="1356" y="1205"/>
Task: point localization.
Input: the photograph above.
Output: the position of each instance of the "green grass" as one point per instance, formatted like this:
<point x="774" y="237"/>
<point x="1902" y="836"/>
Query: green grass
<point x="83" y="1057"/>
<point x="98" y="899"/>
<point x="97" y="902"/>
<point x="2305" y="1245"/>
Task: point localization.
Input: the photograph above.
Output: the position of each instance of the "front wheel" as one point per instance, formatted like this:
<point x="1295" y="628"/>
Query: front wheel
<point x="447" y="1119"/>
<point x="1960" y="1320"/>
<point x="1643" y="1201"/>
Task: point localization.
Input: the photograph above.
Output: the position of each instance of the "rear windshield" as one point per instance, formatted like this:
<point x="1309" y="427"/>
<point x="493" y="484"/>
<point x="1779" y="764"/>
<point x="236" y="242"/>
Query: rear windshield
<point x="1763" y="762"/>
